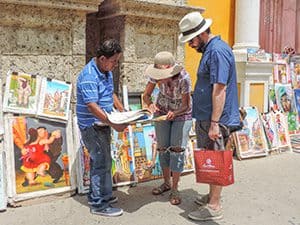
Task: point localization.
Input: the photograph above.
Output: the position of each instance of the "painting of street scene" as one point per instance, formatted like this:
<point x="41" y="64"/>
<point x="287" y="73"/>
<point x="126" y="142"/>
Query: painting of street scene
<point x="251" y="140"/>
<point x="55" y="99"/>
<point x="122" y="155"/>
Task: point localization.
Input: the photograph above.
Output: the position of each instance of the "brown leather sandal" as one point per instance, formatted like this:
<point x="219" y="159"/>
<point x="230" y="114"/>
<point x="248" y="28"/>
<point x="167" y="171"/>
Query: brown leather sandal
<point x="161" y="189"/>
<point x="175" y="198"/>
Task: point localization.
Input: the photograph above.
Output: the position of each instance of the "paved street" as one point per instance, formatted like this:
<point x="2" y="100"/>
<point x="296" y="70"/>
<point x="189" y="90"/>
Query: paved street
<point x="266" y="192"/>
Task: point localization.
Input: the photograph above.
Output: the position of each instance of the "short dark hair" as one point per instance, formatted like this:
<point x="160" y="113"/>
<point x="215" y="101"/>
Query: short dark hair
<point x="208" y="31"/>
<point x="109" y="48"/>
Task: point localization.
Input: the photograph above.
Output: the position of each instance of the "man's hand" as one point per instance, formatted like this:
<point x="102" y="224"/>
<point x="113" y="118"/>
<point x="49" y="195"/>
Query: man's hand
<point x="214" y="131"/>
<point x="119" y="127"/>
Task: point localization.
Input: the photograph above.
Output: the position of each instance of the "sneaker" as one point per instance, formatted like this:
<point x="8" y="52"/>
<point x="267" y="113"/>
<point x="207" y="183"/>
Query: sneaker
<point x="112" y="200"/>
<point x="202" y="200"/>
<point x="109" y="211"/>
<point x="205" y="213"/>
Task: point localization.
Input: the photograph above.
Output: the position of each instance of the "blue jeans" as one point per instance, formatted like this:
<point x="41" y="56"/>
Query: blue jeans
<point x="170" y="135"/>
<point x="97" y="141"/>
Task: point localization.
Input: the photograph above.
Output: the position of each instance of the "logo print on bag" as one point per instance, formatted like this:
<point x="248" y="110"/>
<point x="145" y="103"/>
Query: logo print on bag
<point x="208" y="164"/>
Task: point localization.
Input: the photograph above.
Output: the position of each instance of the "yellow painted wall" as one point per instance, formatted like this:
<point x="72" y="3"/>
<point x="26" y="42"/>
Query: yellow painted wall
<point x="255" y="91"/>
<point x="222" y="14"/>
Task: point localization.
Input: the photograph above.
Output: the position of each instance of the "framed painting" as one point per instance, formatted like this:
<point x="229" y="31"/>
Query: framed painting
<point x="3" y="197"/>
<point x="297" y="102"/>
<point x="1" y="111"/>
<point x="285" y="97"/>
<point x="82" y="161"/>
<point x="251" y="140"/>
<point x="40" y="157"/>
<point x="189" y="156"/>
<point x="281" y="70"/>
<point x="21" y="93"/>
<point x="55" y="97"/>
<point x="123" y="167"/>
<point x="284" y="142"/>
<point x="270" y="130"/>
<point x="144" y="145"/>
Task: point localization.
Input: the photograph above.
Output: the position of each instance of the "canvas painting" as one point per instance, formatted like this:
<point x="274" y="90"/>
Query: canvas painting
<point x="189" y="156"/>
<point x="251" y="140"/>
<point x="281" y="69"/>
<point x="270" y="130"/>
<point x="40" y="157"/>
<point x="284" y="142"/>
<point x="123" y="161"/>
<point x="272" y="98"/>
<point x="55" y="99"/>
<point x="1" y="111"/>
<point x="285" y="97"/>
<point x="147" y="165"/>
<point x="297" y="102"/>
<point x="21" y="93"/>
<point x="82" y="161"/>
<point x="3" y="198"/>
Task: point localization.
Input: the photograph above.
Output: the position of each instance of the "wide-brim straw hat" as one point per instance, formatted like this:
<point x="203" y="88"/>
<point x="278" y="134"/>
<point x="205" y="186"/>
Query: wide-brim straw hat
<point x="164" y="66"/>
<point x="191" y="25"/>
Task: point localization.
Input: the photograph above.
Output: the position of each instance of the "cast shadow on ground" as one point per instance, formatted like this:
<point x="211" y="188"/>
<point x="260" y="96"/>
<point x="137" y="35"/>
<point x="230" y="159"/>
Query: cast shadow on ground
<point x="131" y="199"/>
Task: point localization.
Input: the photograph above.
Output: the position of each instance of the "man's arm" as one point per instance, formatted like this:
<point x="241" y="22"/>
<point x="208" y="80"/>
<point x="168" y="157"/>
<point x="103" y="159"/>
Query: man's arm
<point x="117" y="103"/>
<point x="99" y="113"/>
<point x="218" y="101"/>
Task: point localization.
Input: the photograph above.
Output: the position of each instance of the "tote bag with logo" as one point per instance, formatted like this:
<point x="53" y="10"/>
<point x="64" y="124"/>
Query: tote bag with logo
<point x="214" y="167"/>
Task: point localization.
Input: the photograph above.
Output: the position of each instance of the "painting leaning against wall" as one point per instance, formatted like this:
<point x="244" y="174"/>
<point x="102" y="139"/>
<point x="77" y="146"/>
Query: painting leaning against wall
<point x="39" y="157"/>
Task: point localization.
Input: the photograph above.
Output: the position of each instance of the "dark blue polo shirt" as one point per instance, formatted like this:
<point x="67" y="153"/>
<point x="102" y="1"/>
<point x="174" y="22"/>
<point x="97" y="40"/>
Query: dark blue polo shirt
<point x="93" y="86"/>
<point x="217" y="65"/>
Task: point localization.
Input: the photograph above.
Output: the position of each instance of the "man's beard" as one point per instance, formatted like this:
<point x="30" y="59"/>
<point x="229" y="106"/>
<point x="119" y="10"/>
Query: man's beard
<point x="200" y="48"/>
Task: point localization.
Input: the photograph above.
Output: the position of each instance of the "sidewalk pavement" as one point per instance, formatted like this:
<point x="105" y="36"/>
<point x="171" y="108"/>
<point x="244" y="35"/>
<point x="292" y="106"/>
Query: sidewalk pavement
<point x="266" y="192"/>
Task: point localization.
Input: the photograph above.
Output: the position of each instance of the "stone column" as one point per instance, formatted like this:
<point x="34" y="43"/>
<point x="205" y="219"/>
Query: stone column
<point x="247" y="22"/>
<point x="246" y="27"/>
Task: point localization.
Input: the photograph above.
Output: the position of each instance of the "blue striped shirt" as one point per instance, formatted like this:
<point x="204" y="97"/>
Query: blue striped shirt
<point x="93" y="86"/>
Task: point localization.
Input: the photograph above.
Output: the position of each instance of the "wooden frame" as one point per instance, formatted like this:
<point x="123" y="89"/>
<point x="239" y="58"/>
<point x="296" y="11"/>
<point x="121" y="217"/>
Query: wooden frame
<point x="3" y="196"/>
<point x="55" y="97"/>
<point x="1" y="111"/>
<point x="21" y="93"/>
<point x="59" y="177"/>
<point x="82" y="161"/>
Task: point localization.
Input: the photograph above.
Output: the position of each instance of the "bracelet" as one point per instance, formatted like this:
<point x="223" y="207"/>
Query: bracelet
<point x="214" y="121"/>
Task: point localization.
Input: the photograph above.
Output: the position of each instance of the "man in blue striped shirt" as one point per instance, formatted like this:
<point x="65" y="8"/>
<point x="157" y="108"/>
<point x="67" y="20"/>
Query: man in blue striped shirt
<point x="95" y="96"/>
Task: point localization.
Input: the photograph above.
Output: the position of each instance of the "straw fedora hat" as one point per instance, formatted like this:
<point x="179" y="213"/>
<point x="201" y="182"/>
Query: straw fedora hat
<point x="164" y="66"/>
<point x="191" y="25"/>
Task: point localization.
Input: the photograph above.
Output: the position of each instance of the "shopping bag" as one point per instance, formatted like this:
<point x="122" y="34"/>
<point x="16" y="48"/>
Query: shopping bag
<point x="214" y="167"/>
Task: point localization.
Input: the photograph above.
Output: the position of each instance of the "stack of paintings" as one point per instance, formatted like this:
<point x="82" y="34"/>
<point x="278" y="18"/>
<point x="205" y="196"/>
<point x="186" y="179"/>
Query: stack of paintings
<point x="250" y="141"/>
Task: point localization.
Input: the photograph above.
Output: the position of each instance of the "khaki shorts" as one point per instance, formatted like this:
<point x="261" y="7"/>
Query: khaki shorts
<point x="203" y="141"/>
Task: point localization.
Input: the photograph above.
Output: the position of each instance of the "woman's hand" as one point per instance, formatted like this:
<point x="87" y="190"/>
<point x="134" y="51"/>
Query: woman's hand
<point x="171" y="115"/>
<point x="153" y="108"/>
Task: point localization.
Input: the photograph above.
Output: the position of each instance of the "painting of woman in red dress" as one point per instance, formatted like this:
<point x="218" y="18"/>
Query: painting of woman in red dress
<point x="35" y="161"/>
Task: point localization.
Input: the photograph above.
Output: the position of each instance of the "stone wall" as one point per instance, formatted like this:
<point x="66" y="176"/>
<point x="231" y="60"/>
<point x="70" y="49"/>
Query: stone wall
<point x="143" y="28"/>
<point x="44" y="37"/>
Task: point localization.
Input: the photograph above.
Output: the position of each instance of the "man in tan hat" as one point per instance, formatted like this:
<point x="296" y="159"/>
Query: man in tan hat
<point x="215" y="101"/>
<point x="173" y="101"/>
